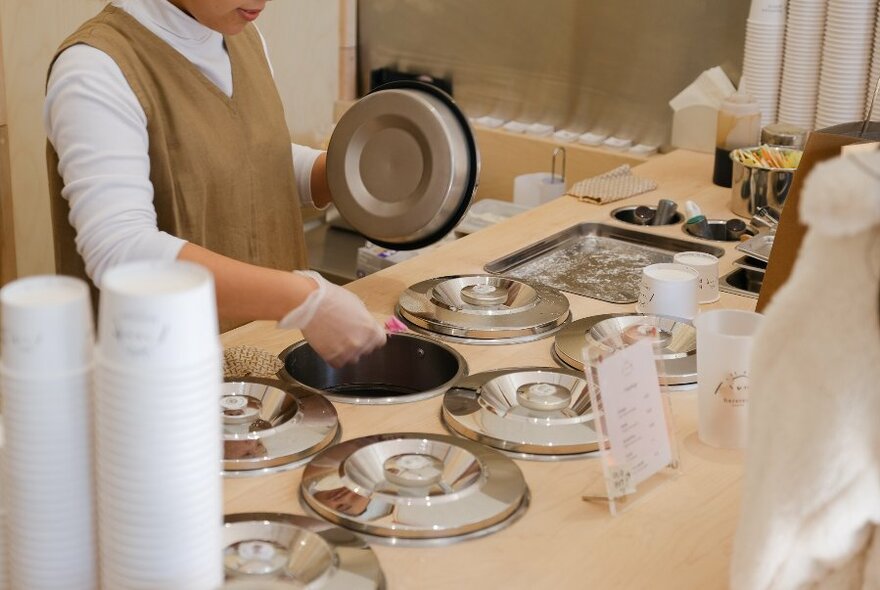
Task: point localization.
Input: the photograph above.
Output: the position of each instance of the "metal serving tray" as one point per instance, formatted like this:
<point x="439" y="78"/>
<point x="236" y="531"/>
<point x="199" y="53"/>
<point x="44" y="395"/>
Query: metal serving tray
<point x="750" y="263"/>
<point x="594" y="260"/>
<point x="759" y="246"/>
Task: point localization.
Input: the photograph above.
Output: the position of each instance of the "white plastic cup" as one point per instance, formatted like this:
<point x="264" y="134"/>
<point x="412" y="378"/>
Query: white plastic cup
<point x="724" y="345"/>
<point x="158" y="315"/>
<point x="706" y="266"/>
<point x="669" y="289"/>
<point x="535" y="189"/>
<point x="47" y="326"/>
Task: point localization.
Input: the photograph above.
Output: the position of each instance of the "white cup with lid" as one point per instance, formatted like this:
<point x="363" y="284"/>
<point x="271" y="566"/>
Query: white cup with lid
<point x="669" y="289"/>
<point x="706" y="266"/>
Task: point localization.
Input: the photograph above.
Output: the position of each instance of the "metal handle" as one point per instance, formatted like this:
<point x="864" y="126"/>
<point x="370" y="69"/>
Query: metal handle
<point x="870" y="109"/>
<point x="556" y="152"/>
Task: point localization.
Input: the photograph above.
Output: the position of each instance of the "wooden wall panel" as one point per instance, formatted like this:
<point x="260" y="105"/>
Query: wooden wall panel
<point x="8" y="265"/>
<point x="303" y="41"/>
<point x="4" y="118"/>
<point x="7" y="224"/>
<point x="504" y="156"/>
<point x="32" y="30"/>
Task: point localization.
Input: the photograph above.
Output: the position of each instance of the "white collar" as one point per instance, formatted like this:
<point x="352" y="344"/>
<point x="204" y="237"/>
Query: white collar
<point x="163" y="15"/>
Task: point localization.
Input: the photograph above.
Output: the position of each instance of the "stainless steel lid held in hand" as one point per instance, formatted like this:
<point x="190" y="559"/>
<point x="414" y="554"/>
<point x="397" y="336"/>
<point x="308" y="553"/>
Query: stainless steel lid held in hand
<point x="402" y="165"/>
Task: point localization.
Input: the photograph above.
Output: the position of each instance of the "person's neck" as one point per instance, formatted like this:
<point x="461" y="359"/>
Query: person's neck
<point x="181" y="7"/>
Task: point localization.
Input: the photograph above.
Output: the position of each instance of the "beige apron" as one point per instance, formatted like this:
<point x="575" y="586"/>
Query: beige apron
<point x="221" y="167"/>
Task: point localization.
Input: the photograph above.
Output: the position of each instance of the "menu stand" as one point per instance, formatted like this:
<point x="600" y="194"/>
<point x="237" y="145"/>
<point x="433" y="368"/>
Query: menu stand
<point x="632" y="417"/>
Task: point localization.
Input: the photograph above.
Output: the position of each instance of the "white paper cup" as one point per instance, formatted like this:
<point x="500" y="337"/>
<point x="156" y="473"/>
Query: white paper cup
<point x="158" y="315"/>
<point x="767" y="11"/>
<point x="724" y="345"/>
<point x="47" y="325"/>
<point x="669" y="289"/>
<point x="706" y="266"/>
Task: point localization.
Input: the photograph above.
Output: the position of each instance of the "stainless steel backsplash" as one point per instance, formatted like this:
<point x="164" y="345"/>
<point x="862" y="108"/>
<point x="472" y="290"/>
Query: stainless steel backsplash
<point x="608" y="66"/>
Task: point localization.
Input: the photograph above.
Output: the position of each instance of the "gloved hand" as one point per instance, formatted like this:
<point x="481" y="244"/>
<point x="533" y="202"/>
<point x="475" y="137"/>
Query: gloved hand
<point x="335" y="323"/>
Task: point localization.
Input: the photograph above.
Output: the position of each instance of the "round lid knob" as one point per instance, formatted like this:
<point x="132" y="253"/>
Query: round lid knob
<point x="484" y="294"/>
<point x="413" y="470"/>
<point x="636" y="332"/>
<point x="543" y="397"/>
<point x="238" y="409"/>
<point x="255" y="558"/>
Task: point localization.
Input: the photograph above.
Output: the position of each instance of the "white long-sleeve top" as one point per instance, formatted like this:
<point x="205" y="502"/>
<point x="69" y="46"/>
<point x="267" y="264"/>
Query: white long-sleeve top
<point x="99" y="130"/>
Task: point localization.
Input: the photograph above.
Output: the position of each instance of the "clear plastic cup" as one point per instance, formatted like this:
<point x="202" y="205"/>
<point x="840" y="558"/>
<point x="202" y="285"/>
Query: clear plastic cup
<point x="724" y="345"/>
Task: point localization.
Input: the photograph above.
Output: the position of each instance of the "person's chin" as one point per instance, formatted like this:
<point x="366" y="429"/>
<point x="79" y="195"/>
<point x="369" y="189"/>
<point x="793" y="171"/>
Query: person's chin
<point x="234" y="28"/>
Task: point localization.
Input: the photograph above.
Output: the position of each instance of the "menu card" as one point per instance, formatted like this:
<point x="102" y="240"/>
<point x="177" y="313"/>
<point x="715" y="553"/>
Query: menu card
<point x="635" y="422"/>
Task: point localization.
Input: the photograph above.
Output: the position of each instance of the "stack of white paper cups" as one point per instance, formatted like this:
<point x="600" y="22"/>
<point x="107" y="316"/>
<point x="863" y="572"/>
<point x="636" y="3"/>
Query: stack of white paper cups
<point x="846" y="56"/>
<point x="762" y="56"/>
<point x="804" y="29"/>
<point x="46" y="380"/>
<point x="158" y="430"/>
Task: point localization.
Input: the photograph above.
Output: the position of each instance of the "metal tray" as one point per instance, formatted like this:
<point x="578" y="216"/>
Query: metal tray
<point x="750" y="263"/>
<point x="758" y="247"/>
<point x="594" y="260"/>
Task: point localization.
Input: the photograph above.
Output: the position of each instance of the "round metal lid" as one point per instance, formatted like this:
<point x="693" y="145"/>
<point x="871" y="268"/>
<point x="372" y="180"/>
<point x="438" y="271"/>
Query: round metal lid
<point x="675" y="341"/>
<point x="402" y="165"/>
<point x="483" y="309"/>
<point x="297" y="552"/>
<point x="411" y="486"/>
<point x="269" y="425"/>
<point x="533" y="413"/>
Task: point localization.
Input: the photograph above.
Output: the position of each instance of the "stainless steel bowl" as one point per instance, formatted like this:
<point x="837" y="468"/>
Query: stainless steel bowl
<point x="716" y="230"/>
<point x="754" y="187"/>
<point x="628" y="215"/>
<point x="408" y="368"/>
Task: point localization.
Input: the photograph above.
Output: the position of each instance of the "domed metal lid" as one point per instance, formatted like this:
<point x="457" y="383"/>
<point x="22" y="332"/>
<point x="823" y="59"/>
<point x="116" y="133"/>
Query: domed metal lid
<point x="534" y="413"/>
<point x="483" y="309"/>
<point x="410" y="486"/>
<point x="269" y="425"/>
<point x="674" y="340"/>
<point x="297" y="552"/>
<point x="402" y="165"/>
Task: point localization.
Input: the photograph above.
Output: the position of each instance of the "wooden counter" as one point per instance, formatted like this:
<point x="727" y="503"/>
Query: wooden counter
<point x="678" y="537"/>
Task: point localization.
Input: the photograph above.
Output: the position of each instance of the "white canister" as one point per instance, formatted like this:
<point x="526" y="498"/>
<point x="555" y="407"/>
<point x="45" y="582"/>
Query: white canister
<point x="706" y="266"/>
<point x="538" y="188"/>
<point x="669" y="289"/>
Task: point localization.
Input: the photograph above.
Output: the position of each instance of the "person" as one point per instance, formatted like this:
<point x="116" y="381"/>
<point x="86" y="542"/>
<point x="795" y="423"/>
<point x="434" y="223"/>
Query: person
<point x="167" y="140"/>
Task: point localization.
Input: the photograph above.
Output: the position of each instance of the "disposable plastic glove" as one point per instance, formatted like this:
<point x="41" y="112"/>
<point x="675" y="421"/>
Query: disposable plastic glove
<point x="335" y="323"/>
